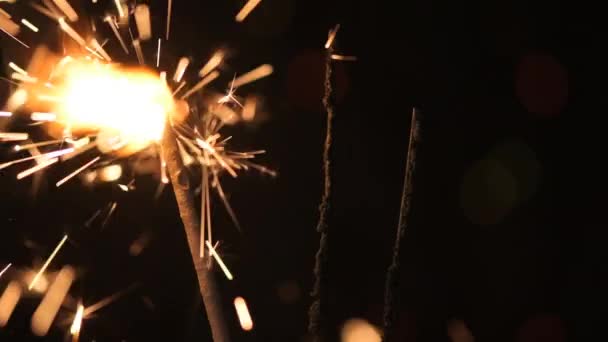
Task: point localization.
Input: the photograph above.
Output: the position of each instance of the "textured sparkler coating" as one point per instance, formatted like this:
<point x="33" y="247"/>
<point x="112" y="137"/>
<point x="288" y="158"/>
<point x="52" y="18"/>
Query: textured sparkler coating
<point x="190" y="218"/>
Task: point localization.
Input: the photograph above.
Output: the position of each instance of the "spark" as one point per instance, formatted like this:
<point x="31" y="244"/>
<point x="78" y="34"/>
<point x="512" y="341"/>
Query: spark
<point x="36" y="168"/>
<point x="10" y="136"/>
<point x="89" y="310"/>
<point x="142" y="20"/>
<point x="206" y="80"/>
<point x="99" y="49"/>
<point x="181" y="85"/>
<point x="49" y="155"/>
<point x="47" y="263"/>
<point x="123" y="187"/>
<point x="23" y="78"/>
<point x="158" y="53"/>
<point x="219" y="260"/>
<point x="5" y="269"/>
<point x="12" y="36"/>
<point x="163" y="170"/>
<point x="121" y="13"/>
<point x="29" y="25"/>
<point x="77" y="324"/>
<point x="138" y="51"/>
<point x="18" y="148"/>
<point x="243" y="313"/>
<point x="39" y="116"/>
<point x="181" y="69"/>
<point x="213" y="62"/>
<point x="67" y="9"/>
<point x="77" y="171"/>
<point x="112" y="24"/>
<point x="169" y="5"/>
<point x="253" y="75"/>
<point x="112" y="207"/>
<point x="343" y="58"/>
<point x="44" y="11"/>
<point x="331" y="36"/>
<point x="17" y="68"/>
<point x="6" y="114"/>
<point x="71" y="32"/>
<point x="244" y="12"/>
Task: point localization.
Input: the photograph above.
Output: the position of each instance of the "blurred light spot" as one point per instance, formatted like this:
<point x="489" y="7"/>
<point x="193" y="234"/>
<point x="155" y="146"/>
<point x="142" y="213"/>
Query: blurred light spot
<point x="139" y="245"/>
<point x="542" y="328"/>
<point x="523" y="165"/>
<point x="9" y="301"/>
<point x="306" y="80"/>
<point x="541" y="84"/>
<point x="359" y="330"/>
<point x="17" y="100"/>
<point x="289" y="292"/>
<point x="270" y="18"/>
<point x="459" y="332"/>
<point x="49" y="307"/>
<point x="243" y="313"/>
<point x="110" y="173"/>
<point x="488" y="192"/>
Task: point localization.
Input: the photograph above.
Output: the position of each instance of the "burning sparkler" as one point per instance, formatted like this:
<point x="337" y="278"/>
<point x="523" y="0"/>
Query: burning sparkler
<point x="64" y="95"/>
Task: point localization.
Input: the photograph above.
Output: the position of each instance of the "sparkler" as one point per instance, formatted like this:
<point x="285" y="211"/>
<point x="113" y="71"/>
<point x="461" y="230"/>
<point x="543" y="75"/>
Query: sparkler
<point x="63" y="95"/>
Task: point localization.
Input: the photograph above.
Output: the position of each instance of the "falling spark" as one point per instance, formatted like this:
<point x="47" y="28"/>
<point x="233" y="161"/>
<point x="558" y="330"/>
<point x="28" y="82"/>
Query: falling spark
<point x="332" y="36"/>
<point x="29" y="25"/>
<point x="18" y="148"/>
<point x="123" y="187"/>
<point x="112" y="24"/>
<point x="343" y="58"/>
<point x="11" y="29"/>
<point x="48" y="261"/>
<point x="158" y="53"/>
<point x="75" y="329"/>
<point x="181" y="69"/>
<point x="9" y="136"/>
<point x="208" y="79"/>
<point x="244" y="12"/>
<point x="79" y="170"/>
<point x="36" y="168"/>
<point x="249" y="109"/>
<point x="38" y="116"/>
<point x="121" y="13"/>
<point x="99" y="49"/>
<point x="142" y="20"/>
<point x="5" y="269"/>
<point x="253" y="75"/>
<point x="243" y="313"/>
<point x="219" y="260"/>
<point x="23" y="78"/>
<point x="109" y="215"/>
<point x="89" y="310"/>
<point x="213" y="62"/>
<point x="49" y="155"/>
<point x="71" y="32"/>
<point x="67" y="9"/>
<point x="138" y="51"/>
<point x="181" y="85"/>
<point x="169" y="5"/>
<point x="17" y="68"/>
<point x="49" y="307"/>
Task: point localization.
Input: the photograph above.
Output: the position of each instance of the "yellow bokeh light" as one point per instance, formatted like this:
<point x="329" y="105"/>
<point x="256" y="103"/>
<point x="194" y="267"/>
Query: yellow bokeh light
<point x="131" y="104"/>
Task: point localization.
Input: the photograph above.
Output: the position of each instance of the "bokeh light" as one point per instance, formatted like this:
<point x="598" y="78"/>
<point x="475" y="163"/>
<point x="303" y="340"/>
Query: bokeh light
<point x="541" y="83"/>
<point x="359" y="330"/>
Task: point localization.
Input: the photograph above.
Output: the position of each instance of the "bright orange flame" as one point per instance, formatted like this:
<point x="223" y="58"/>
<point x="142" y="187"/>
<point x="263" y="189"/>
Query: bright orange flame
<point x="130" y="104"/>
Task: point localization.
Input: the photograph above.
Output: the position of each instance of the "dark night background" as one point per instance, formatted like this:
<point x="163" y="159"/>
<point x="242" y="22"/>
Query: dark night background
<point x="508" y="231"/>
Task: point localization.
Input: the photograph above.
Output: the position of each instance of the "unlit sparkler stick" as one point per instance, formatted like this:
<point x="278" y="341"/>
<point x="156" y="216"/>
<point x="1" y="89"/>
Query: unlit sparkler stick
<point x="189" y="215"/>
<point x="392" y="275"/>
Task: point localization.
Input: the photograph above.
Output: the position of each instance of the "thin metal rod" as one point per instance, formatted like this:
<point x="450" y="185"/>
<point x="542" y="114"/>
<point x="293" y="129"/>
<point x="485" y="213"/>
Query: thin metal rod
<point x="391" y="299"/>
<point x="190" y="218"/>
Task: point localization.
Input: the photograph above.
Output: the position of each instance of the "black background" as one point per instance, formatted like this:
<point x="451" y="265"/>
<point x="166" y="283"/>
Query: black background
<point x="508" y="231"/>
